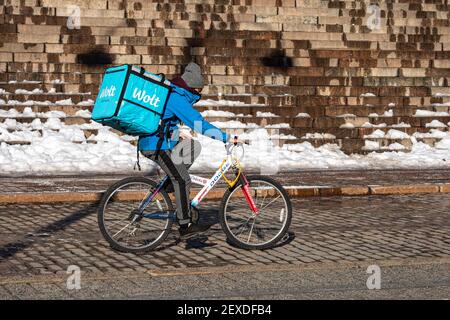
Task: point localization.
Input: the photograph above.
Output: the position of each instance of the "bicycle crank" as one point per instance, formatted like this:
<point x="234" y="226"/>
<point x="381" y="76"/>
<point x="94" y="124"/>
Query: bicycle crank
<point x="194" y="215"/>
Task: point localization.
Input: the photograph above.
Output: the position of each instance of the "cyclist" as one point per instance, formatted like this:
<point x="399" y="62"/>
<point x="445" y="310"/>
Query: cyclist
<point x="168" y="149"/>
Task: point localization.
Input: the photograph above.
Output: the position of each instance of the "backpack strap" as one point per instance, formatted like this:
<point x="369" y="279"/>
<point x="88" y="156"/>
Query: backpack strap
<point x="163" y="132"/>
<point x="137" y="156"/>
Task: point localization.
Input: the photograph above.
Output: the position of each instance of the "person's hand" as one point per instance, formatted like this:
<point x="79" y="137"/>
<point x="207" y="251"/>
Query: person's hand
<point x="185" y="134"/>
<point x="235" y="140"/>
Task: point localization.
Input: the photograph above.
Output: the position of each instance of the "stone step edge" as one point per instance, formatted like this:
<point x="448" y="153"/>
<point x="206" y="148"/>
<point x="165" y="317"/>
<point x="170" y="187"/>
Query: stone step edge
<point x="217" y="194"/>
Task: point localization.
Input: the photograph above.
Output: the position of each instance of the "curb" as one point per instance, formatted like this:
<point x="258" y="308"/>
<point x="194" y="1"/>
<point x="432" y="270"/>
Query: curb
<point x="295" y="192"/>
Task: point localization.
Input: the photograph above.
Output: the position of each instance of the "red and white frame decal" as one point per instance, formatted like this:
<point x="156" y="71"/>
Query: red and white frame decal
<point x="198" y="180"/>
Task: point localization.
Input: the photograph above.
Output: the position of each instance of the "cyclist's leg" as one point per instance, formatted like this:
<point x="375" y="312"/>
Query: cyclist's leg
<point x="181" y="184"/>
<point x="180" y="179"/>
<point x="186" y="151"/>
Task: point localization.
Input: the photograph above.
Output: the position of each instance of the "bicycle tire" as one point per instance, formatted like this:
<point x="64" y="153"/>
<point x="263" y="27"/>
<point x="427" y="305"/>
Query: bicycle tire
<point x="230" y="236"/>
<point x="101" y="208"/>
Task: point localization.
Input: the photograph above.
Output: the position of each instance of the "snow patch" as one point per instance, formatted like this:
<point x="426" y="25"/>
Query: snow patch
<point x="427" y="113"/>
<point x="228" y="103"/>
<point x="83" y="114"/>
<point x="65" y="102"/>
<point x="371" y="145"/>
<point x="86" y="103"/>
<point x="401" y="125"/>
<point x="389" y="113"/>
<point x="396" y="146"/>
<point x="368" y="94"/>
<point x="317" y="135"/>
<point x="347" y="125"/>
<point x="266" y="114"/>
<point x="396" y="134"/>
<point x="24" y="91"/>
<point x="377" y="134"/>
<point x="435" y="124"/>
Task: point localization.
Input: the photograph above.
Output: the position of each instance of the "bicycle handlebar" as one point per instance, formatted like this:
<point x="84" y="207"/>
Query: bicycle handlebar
<point x="236" y="143"/>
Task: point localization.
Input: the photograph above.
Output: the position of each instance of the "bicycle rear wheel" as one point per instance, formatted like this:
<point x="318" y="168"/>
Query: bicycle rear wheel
<point x="119" y="221"/>
<point x="247" y="230"/>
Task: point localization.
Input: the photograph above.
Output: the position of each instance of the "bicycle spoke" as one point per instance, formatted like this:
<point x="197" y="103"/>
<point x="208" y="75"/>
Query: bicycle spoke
<point x="270" y="202"/>
<point x="244" y="224"/>
<point x="118" y="222"/>
<point x="264" y="199"/>
<point x="251" y="230"/>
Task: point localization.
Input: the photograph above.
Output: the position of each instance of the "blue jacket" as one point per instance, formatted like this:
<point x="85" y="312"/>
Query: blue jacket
<point x="179" y="109"/>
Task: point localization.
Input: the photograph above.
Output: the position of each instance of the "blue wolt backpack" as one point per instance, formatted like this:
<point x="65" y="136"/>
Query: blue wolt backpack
<point x="131" y="100"/>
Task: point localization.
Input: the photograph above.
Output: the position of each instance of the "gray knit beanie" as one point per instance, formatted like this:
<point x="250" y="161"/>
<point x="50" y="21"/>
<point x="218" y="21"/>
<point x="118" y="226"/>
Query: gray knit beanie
<point x="193" y="76"/>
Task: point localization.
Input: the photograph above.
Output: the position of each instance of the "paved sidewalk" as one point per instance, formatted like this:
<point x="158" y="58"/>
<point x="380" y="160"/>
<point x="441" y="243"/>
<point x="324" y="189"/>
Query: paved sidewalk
<point x="403" y="279"/>
<point x="331" y="178"/>
<point x="298" y="184"/>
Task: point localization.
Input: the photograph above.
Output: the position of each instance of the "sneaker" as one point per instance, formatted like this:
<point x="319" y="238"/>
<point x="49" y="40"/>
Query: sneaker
<point x="192" y="230"/>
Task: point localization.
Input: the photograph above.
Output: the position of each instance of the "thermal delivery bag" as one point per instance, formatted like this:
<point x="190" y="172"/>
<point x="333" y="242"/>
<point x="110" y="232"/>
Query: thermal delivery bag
<point x="131" y="100"/>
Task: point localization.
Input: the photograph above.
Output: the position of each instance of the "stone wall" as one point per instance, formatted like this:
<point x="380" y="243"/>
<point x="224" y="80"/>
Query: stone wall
<point x="328" y="59"/>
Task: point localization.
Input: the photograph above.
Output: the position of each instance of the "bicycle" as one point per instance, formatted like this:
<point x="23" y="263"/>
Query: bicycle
<point x="141" y="213"/>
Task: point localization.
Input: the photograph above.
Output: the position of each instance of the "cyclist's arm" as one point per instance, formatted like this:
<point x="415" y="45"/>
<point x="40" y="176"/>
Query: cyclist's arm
<point x="194" y="120"/>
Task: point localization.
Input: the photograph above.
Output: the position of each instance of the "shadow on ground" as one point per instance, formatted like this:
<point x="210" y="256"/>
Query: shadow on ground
<point x="10" y="249"/>
<point x="211" y="218"/>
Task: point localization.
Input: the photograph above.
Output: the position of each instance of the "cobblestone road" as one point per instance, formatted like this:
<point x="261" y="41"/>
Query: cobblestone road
<point x="46" y="239"/>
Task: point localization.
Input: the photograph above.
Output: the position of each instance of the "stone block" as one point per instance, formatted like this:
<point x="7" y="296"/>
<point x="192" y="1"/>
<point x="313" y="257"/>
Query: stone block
<point x="407" y="189"/>
<point x="113" y="31"/>
<point x="38" y="38"/>
<point x="38" y="29"/>
<point x="6" y="57"/>
<point x="327" y="45"/>
<point x="92" y="4"/>
<point x="221" y="80"/>
<point x="54" y="48"/>
<point x="259" y="26"/>
<point x="30" y="57"/>
<point x="178" y="33"/>
<point x="20" y="47"/>
<point x="127" y="59"/>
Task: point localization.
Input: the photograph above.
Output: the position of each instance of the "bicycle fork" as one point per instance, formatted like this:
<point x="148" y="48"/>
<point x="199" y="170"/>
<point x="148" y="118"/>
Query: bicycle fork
<point x="247" y="195"/>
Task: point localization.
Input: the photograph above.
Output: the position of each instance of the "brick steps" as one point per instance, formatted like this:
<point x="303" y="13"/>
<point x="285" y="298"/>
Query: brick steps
<point x="336" y="59"/>
<point x="70" y="120"/>
<point x="320" y="122"/>
<point x="339" y="104"/>
<point x="383" y="143"/>
<point x="89" y="134"/>
<point x="61" y="98"/>
<point x="68" y="110"/>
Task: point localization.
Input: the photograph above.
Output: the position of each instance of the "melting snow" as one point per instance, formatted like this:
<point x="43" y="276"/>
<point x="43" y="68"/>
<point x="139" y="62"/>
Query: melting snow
<point x="427" y="113"/>
<point x="435" y="124"/>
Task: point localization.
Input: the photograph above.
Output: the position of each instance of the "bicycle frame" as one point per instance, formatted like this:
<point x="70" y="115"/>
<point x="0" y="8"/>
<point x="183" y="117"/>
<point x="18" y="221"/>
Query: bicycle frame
<point x="207" y="186"/>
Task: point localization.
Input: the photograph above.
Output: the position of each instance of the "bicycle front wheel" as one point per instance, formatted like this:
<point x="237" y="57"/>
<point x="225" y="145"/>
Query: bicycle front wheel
<point x="263" y="230"/>
<point x="120" y="222"/>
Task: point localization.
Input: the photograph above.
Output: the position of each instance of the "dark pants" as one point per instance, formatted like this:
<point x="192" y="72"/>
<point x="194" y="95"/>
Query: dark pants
<point x="176" y="163"/>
